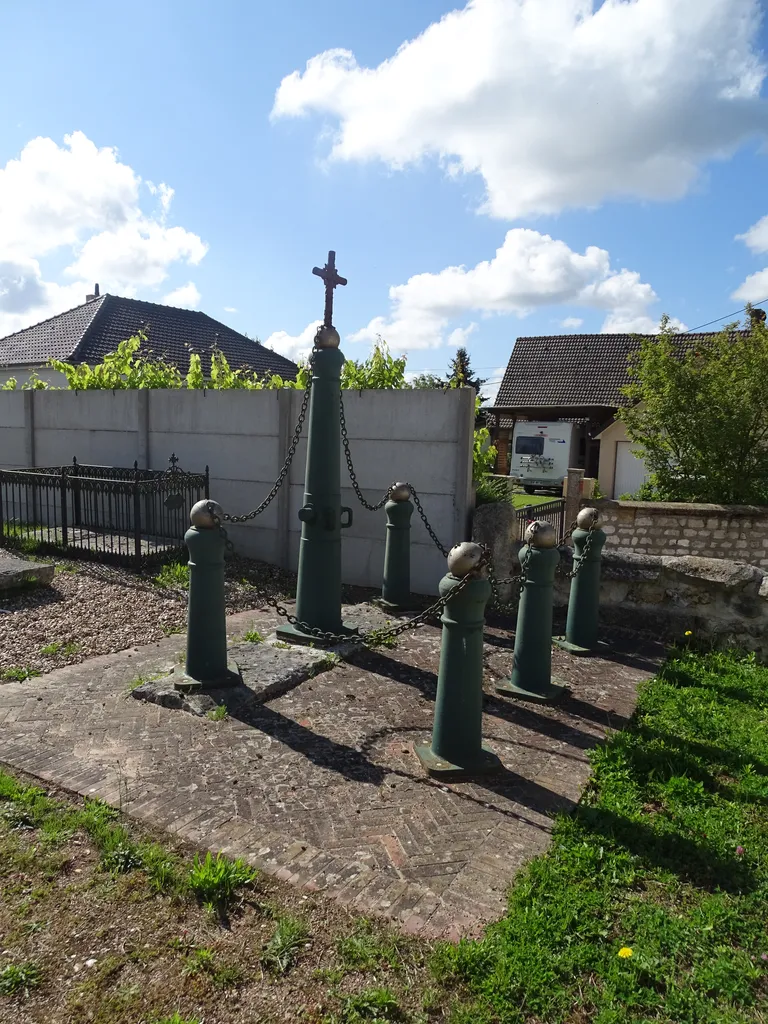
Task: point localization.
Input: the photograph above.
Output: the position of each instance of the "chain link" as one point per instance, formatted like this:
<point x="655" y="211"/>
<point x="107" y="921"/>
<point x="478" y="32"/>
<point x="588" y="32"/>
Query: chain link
<point x="380" y="504"/>
<point x="286" y="465"/>
<point x="579" y="561"/>
<point x="375" y="636"/>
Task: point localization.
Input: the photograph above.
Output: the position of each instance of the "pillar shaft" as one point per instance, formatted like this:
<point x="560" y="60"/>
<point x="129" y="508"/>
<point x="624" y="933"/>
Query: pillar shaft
<point x="206" y="660"/>
<point x="584" y="598"/>
<point x="396" y="587"/>
<point x="532" y="659"/>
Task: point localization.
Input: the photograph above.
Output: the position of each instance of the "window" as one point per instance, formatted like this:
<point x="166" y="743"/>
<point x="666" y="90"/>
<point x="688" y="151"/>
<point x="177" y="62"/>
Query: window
<point x="529" y="446"/>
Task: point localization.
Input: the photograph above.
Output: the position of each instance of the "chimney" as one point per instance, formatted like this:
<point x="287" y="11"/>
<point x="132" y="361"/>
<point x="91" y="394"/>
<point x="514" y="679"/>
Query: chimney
<point x="757" y="316"/>
<point x="90" y="298"/>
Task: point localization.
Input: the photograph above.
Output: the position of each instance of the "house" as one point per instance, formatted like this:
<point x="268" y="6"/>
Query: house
<point x="88" y="332"/>
<point x="577" y="378"/>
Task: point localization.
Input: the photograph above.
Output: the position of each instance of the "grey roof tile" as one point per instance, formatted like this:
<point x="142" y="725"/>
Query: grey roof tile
<point x="571" y="370"/>
<point x="88" y="332"/>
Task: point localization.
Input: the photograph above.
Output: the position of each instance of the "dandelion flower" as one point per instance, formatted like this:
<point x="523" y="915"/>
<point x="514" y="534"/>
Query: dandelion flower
<point x="625" y="952"/>
<point x="689" y="632"/>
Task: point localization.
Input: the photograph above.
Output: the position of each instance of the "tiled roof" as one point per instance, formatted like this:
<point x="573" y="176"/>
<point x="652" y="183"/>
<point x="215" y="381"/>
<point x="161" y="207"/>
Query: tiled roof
<point x="88" y="332"/>
<point x="571" y="370"/>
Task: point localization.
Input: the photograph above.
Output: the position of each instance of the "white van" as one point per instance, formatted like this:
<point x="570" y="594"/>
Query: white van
<point x="542" y="453"/>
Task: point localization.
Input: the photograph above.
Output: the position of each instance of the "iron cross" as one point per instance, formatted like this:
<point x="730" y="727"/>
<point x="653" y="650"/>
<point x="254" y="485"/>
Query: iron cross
<point x="331" y="279"/>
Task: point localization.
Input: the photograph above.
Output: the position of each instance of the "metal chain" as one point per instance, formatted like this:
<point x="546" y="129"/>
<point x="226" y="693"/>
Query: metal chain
<point x="375" y="636"/>
<point x="580" y="561"/>
<point x="286" y="465"/>
<point x="519" y="580"/>
<point x="380" y="504"/>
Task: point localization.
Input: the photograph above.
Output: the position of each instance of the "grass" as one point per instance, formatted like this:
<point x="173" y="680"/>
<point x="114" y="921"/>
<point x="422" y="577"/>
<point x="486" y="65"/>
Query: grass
<point x="173" y="575"/>
<point x="18" y="673"/>
<point x="650" y="905"/>
<point x="218" y="714"/>
<point x="282" y="949"/>
<point x="214" y="881"/>
<point x="253" y="636"/>
<point x="18" y="979"/>
<point x="372" y="1006"/>
<point x="56" y="648"/>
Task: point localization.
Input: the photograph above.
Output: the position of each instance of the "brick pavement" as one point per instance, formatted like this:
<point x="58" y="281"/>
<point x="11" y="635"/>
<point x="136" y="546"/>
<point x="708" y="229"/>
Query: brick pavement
<point x="320" y="787"/>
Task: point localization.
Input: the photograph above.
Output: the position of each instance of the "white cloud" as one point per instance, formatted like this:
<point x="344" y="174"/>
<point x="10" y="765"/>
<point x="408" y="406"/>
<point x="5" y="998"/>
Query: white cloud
<point x="186" y="297"/>
<point x="571" y="323"/>
<point x="555" y="103"/>
<point x="80" y="202"/>
<point x="755" y="287"/>
<point x="230" y="309"/>
<point x="294" y="347"/>
<point x="491" y="389"/>
<point x="530" y="270"/>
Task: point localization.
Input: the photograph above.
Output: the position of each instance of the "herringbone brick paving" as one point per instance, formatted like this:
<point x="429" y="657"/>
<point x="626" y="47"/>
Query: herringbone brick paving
<point x="321" y="787"/>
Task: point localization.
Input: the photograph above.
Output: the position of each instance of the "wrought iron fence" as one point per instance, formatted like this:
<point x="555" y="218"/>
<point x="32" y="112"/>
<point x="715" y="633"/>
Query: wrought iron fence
<point x="119" y="515"/>
<point x="550" y="511"/>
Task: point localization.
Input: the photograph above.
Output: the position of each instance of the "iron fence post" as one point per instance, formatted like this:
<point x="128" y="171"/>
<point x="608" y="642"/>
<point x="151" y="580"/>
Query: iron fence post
<point x="457" y="742"/>
<point x="532" y="658"/>
<point x="137" y="518"/>
<point x="63" y="491"/>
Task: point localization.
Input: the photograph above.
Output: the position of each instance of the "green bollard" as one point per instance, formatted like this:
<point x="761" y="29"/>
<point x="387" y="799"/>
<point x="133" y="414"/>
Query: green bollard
<point x="457" y="744"/>
<point x="206" y="663"/>
<point x="532" y="659"/>
<point x="318" y="590"/>
<point x="584" y="598"/>
<point x="396" y="586"/>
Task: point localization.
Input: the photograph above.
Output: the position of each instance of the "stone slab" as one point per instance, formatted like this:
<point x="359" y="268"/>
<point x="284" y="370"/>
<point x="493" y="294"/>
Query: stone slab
<point x="15" y="571"/>
<point x="266" y="670"/>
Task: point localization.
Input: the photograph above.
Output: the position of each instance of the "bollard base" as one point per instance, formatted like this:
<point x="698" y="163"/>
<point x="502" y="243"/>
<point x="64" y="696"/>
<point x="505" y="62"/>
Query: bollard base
<point x="552" y="693"/>
<point x="185" y="683"/>
<point x="293" y="635"/>
<point x="569" y="648"/>
<point x="486" y="761"/>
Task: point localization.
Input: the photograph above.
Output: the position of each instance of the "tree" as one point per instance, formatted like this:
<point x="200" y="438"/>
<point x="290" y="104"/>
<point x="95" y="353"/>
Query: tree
<point x="698" y="413"/>
<point x="460" y="374"/>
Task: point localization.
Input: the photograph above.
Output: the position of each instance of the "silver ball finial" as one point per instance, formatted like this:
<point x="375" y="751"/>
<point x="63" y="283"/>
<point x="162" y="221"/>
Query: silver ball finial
<point x="200" y="515"/>
<point x="464" y="558"/>
<point x="399" y="492"/>
<point x="327" y="337"/>
<point x="540" y="534"/>
<point x="587" y="518"/>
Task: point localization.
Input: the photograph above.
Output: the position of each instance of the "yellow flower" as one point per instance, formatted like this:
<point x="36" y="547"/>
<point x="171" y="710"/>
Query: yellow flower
<point x="689" y="632"/>
<point x="625" y="952"/>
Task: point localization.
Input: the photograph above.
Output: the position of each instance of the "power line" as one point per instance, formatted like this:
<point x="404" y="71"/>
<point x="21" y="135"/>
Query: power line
<point x="721" y="318"/>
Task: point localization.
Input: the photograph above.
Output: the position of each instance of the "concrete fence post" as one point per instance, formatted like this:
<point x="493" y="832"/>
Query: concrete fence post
<point x="573" y="491"/>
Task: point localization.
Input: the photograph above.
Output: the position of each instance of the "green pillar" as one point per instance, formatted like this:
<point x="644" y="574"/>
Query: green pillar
<point x="584" y="598"/>
<point x="457" y="744"/>
<point x="318" y="590"/>
<point x="206" y="662"/>
<point x="532" y="659"/>
<point x="396" y="587"/>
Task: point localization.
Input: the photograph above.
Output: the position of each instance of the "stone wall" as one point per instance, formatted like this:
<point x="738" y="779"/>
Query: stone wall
<point x="721" y="602"/>
<point x="423" y="436"/>
<point x="709" y="531"/>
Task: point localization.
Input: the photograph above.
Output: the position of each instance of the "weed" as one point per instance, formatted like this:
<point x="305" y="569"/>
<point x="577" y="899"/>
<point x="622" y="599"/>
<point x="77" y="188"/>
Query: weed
<point x="71" y="648"/>
<point x="176" y="1018"/>
<point x="53" y="648"/>
<point x="218" y="714"/>
<point x="18" y="673"/>
<point x="20" y="978"/>
<point x="215" y="880"/>
<point x="199" y="961"/>
<point x="371" y="1006"/>
<point x="162" y="869"/>
<point x="253" y="636"/>
<point x="366" y="948"/>
<point x="282" y="949"/>
<point x="174" y="575"/>
<point x="281" y="644"/>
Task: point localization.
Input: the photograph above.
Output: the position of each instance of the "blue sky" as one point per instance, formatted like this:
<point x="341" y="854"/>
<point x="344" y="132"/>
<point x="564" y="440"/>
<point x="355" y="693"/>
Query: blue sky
<point x="612" y="153"/>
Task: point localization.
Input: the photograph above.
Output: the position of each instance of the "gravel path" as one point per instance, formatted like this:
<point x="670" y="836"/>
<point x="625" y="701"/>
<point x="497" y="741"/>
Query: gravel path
<point x="92" y="609"/>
